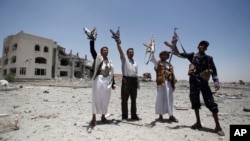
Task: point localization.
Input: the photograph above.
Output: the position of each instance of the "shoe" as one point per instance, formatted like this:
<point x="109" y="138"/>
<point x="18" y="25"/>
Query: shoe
<point x="219" y="131"/>
<point x="196" y="126"/>
<point x="160" y="118"/>
<point x="173" y="119"/>
<point x="135" y="117"/>
<point x="124" y="117"/>
<point x="104" y="120"/>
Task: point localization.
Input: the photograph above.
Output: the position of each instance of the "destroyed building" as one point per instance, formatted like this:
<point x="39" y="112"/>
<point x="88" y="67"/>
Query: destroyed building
<point x="32" y="57"/>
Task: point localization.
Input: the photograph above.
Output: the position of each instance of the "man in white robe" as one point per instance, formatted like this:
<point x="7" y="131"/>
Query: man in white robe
<point x="165" y="86"/>
<point x="103" y="81"/>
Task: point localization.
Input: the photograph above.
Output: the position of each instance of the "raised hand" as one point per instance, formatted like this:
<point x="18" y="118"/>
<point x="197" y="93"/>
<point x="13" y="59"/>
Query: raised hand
<point x="116" y="36"/>
<point x="150" y="46"/>
<point x="150" y="49"/>
<point x="92" y="35"/>
<point x="173" y="46"/>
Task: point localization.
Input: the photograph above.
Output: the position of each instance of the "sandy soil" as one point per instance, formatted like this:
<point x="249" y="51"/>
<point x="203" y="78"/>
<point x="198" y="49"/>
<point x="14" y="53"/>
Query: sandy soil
<point x="61" y="111"/>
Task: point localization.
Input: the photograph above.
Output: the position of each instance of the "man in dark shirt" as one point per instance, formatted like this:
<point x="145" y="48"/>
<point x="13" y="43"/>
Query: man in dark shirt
<point x="201" y="63"/>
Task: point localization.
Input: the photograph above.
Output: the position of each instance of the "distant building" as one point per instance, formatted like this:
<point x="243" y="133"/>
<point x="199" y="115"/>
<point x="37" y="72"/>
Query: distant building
<point x="146" y="77"/>
<point x="33" y="57"/>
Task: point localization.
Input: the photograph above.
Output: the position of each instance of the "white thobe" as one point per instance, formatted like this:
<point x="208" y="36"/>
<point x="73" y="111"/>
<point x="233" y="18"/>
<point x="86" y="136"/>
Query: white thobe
<point x="165" y="99"/>
<point x="101" y="91"/>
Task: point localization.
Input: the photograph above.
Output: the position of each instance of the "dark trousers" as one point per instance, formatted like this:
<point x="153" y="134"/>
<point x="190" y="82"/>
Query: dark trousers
<point x="128" y="89"/>
<point x="198" y="85"/>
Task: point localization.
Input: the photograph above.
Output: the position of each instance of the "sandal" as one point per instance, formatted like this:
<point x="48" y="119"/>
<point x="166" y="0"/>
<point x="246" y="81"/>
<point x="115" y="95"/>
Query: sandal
<point x="219" y="131"/>
<point x="93" y="123"/>
<point x="172" y="118"/>
<point x="196" y="126"/>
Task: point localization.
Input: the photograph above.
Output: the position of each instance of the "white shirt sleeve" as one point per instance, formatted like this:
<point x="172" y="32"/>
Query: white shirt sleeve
<point x="153" y="60"/>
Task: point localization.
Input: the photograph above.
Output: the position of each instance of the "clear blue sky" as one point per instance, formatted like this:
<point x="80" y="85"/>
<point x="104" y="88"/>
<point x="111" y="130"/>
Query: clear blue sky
<point x="224" y="23"/>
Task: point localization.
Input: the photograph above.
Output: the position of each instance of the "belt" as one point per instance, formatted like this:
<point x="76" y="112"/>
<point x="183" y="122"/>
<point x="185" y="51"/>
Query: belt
<point x="105" y="73"/>
<point x="129" y="77"/>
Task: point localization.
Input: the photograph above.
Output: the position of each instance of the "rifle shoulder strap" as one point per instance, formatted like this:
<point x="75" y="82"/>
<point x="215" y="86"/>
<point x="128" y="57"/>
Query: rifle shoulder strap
<point x="193" y="59"/>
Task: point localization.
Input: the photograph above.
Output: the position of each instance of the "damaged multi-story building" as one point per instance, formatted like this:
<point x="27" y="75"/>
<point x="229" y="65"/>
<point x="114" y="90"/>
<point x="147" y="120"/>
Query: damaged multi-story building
<point x="30" y="57"/>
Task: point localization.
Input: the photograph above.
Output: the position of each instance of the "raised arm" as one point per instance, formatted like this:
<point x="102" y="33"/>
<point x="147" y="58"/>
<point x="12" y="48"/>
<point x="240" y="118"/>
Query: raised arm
<point x="92" y="49"/>
<point x="120" y="49"/>
<point x="189" y="56"/>
<point x="91" y="35"/>
<point x="116" y="37"/>
<point x="153" y="59"/>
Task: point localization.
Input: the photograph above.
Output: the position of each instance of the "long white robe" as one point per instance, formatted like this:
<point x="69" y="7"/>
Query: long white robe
<point x="165" y="98"/>
<point x="101" y="91"/>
